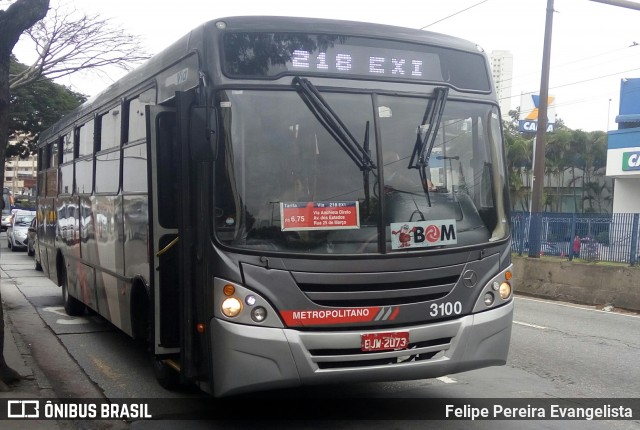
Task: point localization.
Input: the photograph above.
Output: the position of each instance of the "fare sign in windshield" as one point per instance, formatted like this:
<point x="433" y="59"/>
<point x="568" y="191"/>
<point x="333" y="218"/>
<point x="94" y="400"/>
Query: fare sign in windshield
<point x="319" y="215"/>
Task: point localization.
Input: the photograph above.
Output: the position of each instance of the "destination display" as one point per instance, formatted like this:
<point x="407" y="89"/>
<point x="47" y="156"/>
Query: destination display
<point x="271" y="55"/>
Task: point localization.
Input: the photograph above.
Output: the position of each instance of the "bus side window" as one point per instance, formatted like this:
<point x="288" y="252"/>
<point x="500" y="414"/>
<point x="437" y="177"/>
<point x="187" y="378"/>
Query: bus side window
<point x="168" y="158"/>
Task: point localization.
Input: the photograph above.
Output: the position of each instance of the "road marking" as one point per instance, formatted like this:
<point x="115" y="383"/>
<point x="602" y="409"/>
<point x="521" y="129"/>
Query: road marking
<point x="446" y="380"/>
<point x="582" y="307"/>
<point x="68" y="320"/>
<point x="529" y="325"/>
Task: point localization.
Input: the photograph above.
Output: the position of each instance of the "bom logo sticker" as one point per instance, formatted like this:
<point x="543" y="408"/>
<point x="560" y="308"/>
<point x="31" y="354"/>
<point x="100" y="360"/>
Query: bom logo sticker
<point x="407" y="235"/>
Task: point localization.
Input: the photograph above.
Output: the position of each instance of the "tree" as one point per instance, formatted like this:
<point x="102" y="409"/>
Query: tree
<point x="67" y="42"/>
<point x="34" y="108"/>
<point x="18" y="17"/>
<point x="64" y="45"/>
<point x="557" y="155"/>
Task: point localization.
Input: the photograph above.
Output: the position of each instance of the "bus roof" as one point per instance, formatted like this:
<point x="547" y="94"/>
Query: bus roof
<point x="194" y="40"/>
<point x="349" y="28"/>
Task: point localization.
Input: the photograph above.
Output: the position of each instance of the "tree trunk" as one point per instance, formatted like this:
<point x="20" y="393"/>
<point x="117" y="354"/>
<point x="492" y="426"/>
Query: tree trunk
<point x="18" y="17"/>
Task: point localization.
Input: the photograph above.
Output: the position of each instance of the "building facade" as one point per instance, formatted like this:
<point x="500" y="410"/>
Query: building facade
<point x="502" y="71"/>
<point x="20" y="175"/>
<point x="623" y="150"/>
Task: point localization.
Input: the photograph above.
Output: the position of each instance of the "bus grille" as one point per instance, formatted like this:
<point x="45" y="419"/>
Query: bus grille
<point x="353" y="358"/>
<point x="378" y="294"/>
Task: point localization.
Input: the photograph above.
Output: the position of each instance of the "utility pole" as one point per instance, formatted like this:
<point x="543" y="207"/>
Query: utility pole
<point x="537" y="186"/>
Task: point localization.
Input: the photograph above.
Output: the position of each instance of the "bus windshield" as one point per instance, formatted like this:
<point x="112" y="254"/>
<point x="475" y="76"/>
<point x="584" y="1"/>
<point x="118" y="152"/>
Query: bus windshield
<point x="284" y="184"/>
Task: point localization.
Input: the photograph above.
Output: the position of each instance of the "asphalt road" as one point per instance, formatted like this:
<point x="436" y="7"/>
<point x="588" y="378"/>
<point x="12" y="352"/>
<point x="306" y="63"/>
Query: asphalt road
<point x="559" y="351"/>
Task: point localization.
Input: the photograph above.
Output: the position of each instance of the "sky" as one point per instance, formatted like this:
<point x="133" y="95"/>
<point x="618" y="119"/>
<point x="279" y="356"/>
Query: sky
<point x="594" y="45"/>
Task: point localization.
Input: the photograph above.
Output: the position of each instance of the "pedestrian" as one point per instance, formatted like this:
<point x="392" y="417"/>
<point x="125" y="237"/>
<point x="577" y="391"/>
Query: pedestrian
<point x="576" y="247"/>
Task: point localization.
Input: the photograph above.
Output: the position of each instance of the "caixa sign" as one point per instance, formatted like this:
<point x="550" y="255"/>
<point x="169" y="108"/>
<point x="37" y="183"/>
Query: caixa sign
<point x="532" y="126"/>
<point x="631" y="161"/>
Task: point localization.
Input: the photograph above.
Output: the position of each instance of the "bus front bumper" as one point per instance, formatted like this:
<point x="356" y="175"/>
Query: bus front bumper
<point x="249" y="358"/>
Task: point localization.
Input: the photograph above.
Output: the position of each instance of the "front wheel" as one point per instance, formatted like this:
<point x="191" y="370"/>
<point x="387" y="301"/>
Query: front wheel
<point x="166" y="375"/>
<point x="72" y="306"/>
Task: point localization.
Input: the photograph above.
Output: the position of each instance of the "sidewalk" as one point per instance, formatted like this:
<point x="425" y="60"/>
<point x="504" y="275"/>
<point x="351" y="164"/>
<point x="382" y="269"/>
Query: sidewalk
<point x="33" y="350"/>
<point x="33" y="385"/>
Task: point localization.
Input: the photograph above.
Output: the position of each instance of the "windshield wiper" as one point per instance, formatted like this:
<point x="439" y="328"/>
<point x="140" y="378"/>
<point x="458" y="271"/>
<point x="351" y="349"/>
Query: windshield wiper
<point x="334" y="125"/>
<point x="424" y="145"/>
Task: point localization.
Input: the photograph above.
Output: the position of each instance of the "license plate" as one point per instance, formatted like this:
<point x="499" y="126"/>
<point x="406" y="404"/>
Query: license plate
<point x="392" y="341"/>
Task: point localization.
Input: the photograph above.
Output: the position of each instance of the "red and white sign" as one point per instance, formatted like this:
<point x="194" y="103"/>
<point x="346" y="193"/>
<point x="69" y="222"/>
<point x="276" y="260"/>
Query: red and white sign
<point x="330" y="316"/>
<point x="319" y="215"/>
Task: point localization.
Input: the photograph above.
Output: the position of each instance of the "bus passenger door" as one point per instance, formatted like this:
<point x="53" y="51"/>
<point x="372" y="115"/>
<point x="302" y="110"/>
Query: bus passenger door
<point x="165" y="201"/>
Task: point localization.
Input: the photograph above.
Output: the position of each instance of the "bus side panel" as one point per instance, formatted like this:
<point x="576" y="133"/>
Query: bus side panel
<point x="136" y="236"/>
<point x="113" y="297"/>
<point x="101" y="233"/>
<point x="42" y="247"/>
<point x="47" y="236"/>
<point x="82" y="281"/>
<point x="67" y="231"/>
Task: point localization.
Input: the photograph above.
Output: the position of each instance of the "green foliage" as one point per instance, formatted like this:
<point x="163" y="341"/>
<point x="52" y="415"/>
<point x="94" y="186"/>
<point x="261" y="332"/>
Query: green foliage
<point x="575" y="163"/>
<point x="35" y="107"/>
<point x="603" y="237"/>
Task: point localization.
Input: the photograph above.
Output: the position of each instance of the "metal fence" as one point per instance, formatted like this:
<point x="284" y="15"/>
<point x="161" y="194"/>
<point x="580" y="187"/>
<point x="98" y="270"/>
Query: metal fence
<point x="587" y="237"/>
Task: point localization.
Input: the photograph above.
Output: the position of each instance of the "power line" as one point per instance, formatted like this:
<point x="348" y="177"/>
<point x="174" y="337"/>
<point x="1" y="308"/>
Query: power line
<point x="454" y="14"/>
<point x="568" y="63"/>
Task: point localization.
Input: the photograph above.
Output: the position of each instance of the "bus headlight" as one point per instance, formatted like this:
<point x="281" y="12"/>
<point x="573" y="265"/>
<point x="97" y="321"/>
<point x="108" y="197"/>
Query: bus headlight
<point x="237" y="304"/>
<point x="505" y="290"/>
<point x="489" y="298"/>
<point x="231" y="307"/>
<point x="258" y="314"/>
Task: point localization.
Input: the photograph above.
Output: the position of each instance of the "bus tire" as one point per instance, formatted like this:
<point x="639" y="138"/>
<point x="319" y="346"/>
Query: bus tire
<point x="72" y="306"/>
<point x="167" y="376"/>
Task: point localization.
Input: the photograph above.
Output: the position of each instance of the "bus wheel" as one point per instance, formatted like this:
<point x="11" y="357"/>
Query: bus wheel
<point x="72" y="305"/>
<point x="167" y="376"/>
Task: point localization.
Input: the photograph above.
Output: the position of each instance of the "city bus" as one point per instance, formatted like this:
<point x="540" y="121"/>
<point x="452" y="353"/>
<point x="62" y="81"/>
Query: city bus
<point x="236" y="203"/>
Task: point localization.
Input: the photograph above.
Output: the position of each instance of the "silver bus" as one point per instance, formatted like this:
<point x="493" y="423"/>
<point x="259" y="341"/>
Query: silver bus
<point x="276" y="202"/>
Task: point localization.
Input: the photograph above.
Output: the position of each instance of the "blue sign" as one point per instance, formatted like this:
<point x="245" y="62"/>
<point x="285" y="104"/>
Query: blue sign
<point x="532" y="126"/>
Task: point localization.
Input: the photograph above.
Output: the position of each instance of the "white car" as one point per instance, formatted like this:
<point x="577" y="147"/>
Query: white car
<point x="6" y="220"/>
<point x="17" y="232"/>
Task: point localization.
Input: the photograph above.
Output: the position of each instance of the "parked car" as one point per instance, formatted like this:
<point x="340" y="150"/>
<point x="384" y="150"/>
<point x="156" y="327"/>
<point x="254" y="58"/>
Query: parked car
<point x="6" y="220"/>
<point x="32" y="243"/>
<point x="548" y="248"/>
<point x="18" y="230"/>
